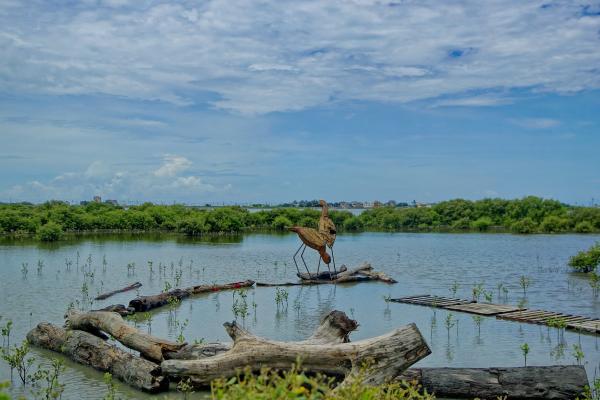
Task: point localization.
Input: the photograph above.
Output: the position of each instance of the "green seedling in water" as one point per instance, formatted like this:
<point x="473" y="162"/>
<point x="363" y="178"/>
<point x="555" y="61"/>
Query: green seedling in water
<point x="477" y="291"/>
<point x="40" y="267"/>
<point x="24" y="269"/>
<point x="167" y="287"/>
<point x="281" y="295"/>
<point x="450" y="322"/>
<point x="524" y="282"/>
<point x="17" y="359"/>
<point x="488" y="296"/>
<point x="47" y="380"/>
<point x="111" y="392"/>
<point x="525" y="351"/>
<point x="5" y="331"/>
<point x="185" y="387"/>
<point x="594" y="283"/>
<point x="240" y="304"/>
<point x="181" y="326"/>
<point x="454" y="288"/>
<point x="478" y="319"/>
<point x="578" y="353"/>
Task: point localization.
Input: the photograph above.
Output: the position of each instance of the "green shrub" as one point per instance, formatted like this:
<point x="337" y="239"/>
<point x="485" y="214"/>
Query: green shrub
<point x="353" y="224"/>
<point x="280" y="223"/>
<point x="584" y="227"/>
<point x="586" y="261"/>
<point x="294" y="384"/>
<point x="50" y="232"/>
<point x="482" y="224"/>
<point x="554" y="224"/>
<point x="524" y="226"/>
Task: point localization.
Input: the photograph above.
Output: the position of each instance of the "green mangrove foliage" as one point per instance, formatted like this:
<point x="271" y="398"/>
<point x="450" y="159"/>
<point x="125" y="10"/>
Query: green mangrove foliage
<point x="49" y="221"/>
<point x="586" y="261"/>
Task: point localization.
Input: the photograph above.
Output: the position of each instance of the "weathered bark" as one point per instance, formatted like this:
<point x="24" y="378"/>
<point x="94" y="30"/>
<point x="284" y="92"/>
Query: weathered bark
<point x="389" y="355"/>
<point x="87" y="349"/>
<point x="145" y="303"/>
<point x="119" y="309"/>
<point x="363" y="273"/>
<point x="334" y="328"/>
<point x="125" y="289"/>
<point x="149" y="346"/>
<point x="551" y="382"/>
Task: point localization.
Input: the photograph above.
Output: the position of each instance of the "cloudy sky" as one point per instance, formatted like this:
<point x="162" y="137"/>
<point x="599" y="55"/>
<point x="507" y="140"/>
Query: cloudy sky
<point x="256" y="101"/>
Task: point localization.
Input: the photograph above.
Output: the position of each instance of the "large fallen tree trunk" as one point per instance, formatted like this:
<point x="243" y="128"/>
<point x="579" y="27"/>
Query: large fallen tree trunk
<point x="363" y="273"/>
<point x="145" y="303"/>
<point x="334" y="328"/>
<point x="388" y="356"/>
<point x="87" y="349"/>
<point x="551" y="382"/>
<point x="125" y="289"/>
<point x="149" y="346"/>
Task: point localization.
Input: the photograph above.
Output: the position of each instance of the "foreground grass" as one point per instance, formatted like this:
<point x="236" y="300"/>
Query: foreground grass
<point x="295" y="384"/>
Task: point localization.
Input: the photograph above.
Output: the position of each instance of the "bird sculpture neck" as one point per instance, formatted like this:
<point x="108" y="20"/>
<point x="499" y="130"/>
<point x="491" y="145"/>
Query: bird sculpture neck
<point x="324" y="210"/>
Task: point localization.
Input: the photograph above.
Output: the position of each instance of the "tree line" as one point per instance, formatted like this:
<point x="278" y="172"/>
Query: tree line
<point x="50" y="220"/>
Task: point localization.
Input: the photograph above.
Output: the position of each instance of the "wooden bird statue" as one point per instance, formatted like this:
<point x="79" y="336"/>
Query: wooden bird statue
<point x="317" y="239"/>
<point x="327" y="228"/>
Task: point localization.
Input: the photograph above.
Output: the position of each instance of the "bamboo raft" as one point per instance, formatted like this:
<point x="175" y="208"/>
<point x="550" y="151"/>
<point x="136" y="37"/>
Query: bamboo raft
<point x="505" y="312"/>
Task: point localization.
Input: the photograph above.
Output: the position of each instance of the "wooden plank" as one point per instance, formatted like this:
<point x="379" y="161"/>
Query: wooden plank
<point x="484" y="308"/>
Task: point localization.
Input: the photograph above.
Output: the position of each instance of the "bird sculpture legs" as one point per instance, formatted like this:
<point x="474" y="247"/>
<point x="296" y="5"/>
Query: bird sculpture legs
<point x="333" y="260"/>
<point x="301" y="256"/>
<point x="303" y="247"/>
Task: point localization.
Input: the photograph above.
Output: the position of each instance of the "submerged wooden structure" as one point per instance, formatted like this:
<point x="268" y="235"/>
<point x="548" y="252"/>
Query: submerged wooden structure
<point x="362" y="273"/>
<point x="506" y="312"/>
<point x="525" y="383"/>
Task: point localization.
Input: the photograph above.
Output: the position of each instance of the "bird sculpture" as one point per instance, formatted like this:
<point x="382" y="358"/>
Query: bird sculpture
<point x="327" y="229"/>
<point x="318" y="240"/>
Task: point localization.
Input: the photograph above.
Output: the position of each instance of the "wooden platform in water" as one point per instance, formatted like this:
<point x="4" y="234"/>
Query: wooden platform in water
<point x="431" y="301"/>
<point x="503" y="311"/>
<point x="484" y="308"/>
<point x="541" y="317"/>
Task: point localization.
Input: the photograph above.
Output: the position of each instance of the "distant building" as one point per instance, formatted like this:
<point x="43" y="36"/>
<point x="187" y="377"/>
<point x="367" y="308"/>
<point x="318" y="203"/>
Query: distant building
<point x="113" y="202"/>
<point x="377" y="204"/>
<point x="97" y="199"/>
<point x="391" y="203"/>
<point x="84" y="203"/>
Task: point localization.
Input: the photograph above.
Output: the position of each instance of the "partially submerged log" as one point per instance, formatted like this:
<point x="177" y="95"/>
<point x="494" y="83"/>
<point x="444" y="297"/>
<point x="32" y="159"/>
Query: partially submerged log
<point x="145" y="303"/>
<point x="363" y="273"/>
<point x="87" y="349"/>
<point x="125" y="289"/>
<point x="119" y="309"/>
<point x="551" y="382"/>
<point x="334" y="328"/>
<point x="150" y="347"/>
<point x="388" y="355"/>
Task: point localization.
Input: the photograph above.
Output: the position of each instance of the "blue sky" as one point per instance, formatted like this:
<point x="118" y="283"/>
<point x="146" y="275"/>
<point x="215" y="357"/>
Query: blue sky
<point x="239" y="101"/>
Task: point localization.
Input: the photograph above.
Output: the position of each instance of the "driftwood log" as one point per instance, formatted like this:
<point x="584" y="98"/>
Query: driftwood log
<point x="145" y="303"/>
<point x="344" y="275"/>
<point x="133" y="286"/>
<point x="87" y="349"/>
<point x="523" y="383"/>
<point x="150" y="347"/>
<point x="334" y="329"/>
<point x="119" y="309"/>
<point x="388" y="354"/>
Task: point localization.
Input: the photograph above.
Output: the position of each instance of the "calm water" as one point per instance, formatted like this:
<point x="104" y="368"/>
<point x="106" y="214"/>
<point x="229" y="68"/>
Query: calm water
<point x="422" y="263"/>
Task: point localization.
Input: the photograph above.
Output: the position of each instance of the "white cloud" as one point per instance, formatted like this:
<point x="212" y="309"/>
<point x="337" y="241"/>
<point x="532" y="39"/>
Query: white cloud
<point x="101" y="179"/>
<point x="172" y="165"/>
<point x="293" y="55"/>
<point x="536" y="123"/>
<point x="473" y="101"/>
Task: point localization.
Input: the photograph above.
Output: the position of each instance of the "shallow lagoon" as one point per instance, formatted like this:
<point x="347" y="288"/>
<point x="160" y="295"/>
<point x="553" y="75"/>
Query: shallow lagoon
<point x="422" y="263"/>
